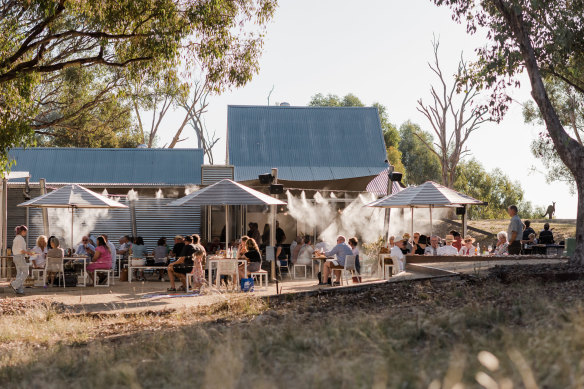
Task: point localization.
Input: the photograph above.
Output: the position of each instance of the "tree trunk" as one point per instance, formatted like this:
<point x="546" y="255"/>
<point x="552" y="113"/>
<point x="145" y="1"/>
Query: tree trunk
<point x="569" y="150"/>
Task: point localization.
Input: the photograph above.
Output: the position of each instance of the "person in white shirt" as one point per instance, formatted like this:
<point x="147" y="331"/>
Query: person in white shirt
<point x="322" y="246"/>
<point x="19" y="251"/>
<point x="305" y="254"/>
<point x="467" y="249"/>
<point x="397" y="254"/>
<point x="448" y="249"/>
<point x="40" y="250"/>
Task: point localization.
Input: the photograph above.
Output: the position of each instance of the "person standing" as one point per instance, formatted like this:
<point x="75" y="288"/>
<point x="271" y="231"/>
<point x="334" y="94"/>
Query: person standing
<point x="514" y="231"/>
<point x="19" y="251"/>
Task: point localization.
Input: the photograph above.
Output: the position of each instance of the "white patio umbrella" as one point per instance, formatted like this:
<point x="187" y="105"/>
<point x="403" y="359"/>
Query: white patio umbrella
<point x="428" y="195"/>
<point x="73" y="197"/>
<point x="226" y="193"/>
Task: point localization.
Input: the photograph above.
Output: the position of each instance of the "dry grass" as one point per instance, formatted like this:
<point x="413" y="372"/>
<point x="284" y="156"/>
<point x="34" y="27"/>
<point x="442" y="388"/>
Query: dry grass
<point x="403" y="336"/>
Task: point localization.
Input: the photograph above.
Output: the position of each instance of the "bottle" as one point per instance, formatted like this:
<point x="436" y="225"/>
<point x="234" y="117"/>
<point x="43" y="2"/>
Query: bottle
<point x="478" y="249"/>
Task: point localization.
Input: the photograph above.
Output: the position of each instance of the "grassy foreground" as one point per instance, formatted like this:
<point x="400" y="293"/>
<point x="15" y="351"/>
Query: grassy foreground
<point x="445" y="335"/>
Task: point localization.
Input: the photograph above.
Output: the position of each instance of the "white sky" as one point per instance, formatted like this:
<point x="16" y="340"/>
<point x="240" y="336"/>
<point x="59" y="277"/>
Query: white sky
<point x="378" y="50"/>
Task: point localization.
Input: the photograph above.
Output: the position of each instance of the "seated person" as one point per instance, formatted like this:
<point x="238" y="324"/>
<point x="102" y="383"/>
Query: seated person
<point x="160" y="254"/>
<point x="528" y="230"/>
<point x="293" y="245"/>
<point x="40" y="250"/>
<point x="182" y="266"/>
<point x="341" y="250"/>
<point x="139" y="250"/>
<point x="294" y="253"/>
<point x="530" y="240"/>
<point x="321" y="245"/>
<point x="55" y="251"/>
<point x="179" y="244"/>
<point x="408" y="248"/>
<point x="448" y="249"/>
<point x="354" y="242"/>
<point x="242" y="248"/>
<point x="419" y="243"/>
<point x="85" y="247"/>
<point x="546" y="236"/>
<point x="434" y="246"/>
<point x="502" y="246"/>
<point x="457" y="244"/>
<point x="102" y="259"/>
<point x="468" y="249"/>
<point x="306" y="252"/>
<point x="254" y="259"/>
<point x="398" y="255"/>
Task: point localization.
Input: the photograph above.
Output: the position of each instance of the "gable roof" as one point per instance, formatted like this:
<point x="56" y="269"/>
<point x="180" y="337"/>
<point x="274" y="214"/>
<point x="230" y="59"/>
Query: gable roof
<point x="429" y="194"/>
<point x="305" y="143"/>
<point x="109" y="166"/>
<point x="226" y="192"/>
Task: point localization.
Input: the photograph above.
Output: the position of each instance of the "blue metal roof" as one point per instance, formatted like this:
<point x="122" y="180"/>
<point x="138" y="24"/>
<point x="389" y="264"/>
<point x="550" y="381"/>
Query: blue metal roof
<point x="120" y="166"/>
<point x="305" y="143"/>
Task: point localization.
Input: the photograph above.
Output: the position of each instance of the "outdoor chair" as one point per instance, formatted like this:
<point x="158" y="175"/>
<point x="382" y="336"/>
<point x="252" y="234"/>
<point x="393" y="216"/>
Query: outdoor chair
<point x="54" y="265"/>
<point x="107" y="272"/>
<point x="227" y="267"/>
<point x="383" y="266"/>
<point x="36" y="275"/>
<point x="349" y="269"/>
<point x="299" y="266"/>
<point x="286" y="266"/>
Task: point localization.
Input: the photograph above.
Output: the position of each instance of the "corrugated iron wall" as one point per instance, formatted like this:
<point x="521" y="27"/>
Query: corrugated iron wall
<point x="154" y="219"/>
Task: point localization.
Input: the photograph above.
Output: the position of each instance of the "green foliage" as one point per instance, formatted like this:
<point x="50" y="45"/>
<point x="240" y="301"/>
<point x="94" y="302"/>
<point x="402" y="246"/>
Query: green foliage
<point x="493" y="187"/>
<point x="330" y="100"/>
<point x="569" y="105"/>
<point x="113" y="41"/>
<point x="421" y="164"/>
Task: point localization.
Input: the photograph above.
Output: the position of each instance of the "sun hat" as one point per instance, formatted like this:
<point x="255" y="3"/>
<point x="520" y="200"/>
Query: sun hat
<point x="406" y="236"/>
<point x="469" y="238"/>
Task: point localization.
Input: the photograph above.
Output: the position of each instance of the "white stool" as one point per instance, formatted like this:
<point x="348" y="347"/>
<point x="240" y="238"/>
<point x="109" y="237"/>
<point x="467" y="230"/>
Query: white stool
<point x="107" y="273"/>
<point x="305" y="271"/>
<point x="260" y="274"/>
<point x="388" y="269"/>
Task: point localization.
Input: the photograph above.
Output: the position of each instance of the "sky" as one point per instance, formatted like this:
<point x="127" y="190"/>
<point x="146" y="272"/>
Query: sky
<point x="379" y="51"/>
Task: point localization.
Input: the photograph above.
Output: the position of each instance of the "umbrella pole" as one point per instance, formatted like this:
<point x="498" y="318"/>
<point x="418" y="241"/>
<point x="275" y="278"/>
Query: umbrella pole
<point x="72" y="217"/>
<point x="431" y="225"/>
<point x="226" y="227"/>
<point x="388" y="225"/>
<point x="412" y="221"/>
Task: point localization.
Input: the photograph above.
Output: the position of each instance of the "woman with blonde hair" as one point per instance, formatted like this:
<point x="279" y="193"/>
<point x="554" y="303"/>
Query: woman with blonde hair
<point x="40" y="250"/>
<point x="242" y="248"/>
<point x="254" y="258"/>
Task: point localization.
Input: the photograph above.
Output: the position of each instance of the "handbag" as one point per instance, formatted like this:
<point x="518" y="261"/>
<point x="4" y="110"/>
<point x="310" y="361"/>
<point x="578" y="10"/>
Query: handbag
<point x="329" y="281"/>
<point x="124" y="275"/>
<point x="247" y="284"/>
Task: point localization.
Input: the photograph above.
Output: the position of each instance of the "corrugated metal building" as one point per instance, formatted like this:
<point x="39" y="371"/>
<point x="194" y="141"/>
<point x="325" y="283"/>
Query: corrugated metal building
<point x="339" y="148"/>
<point x="155" y="176"/>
